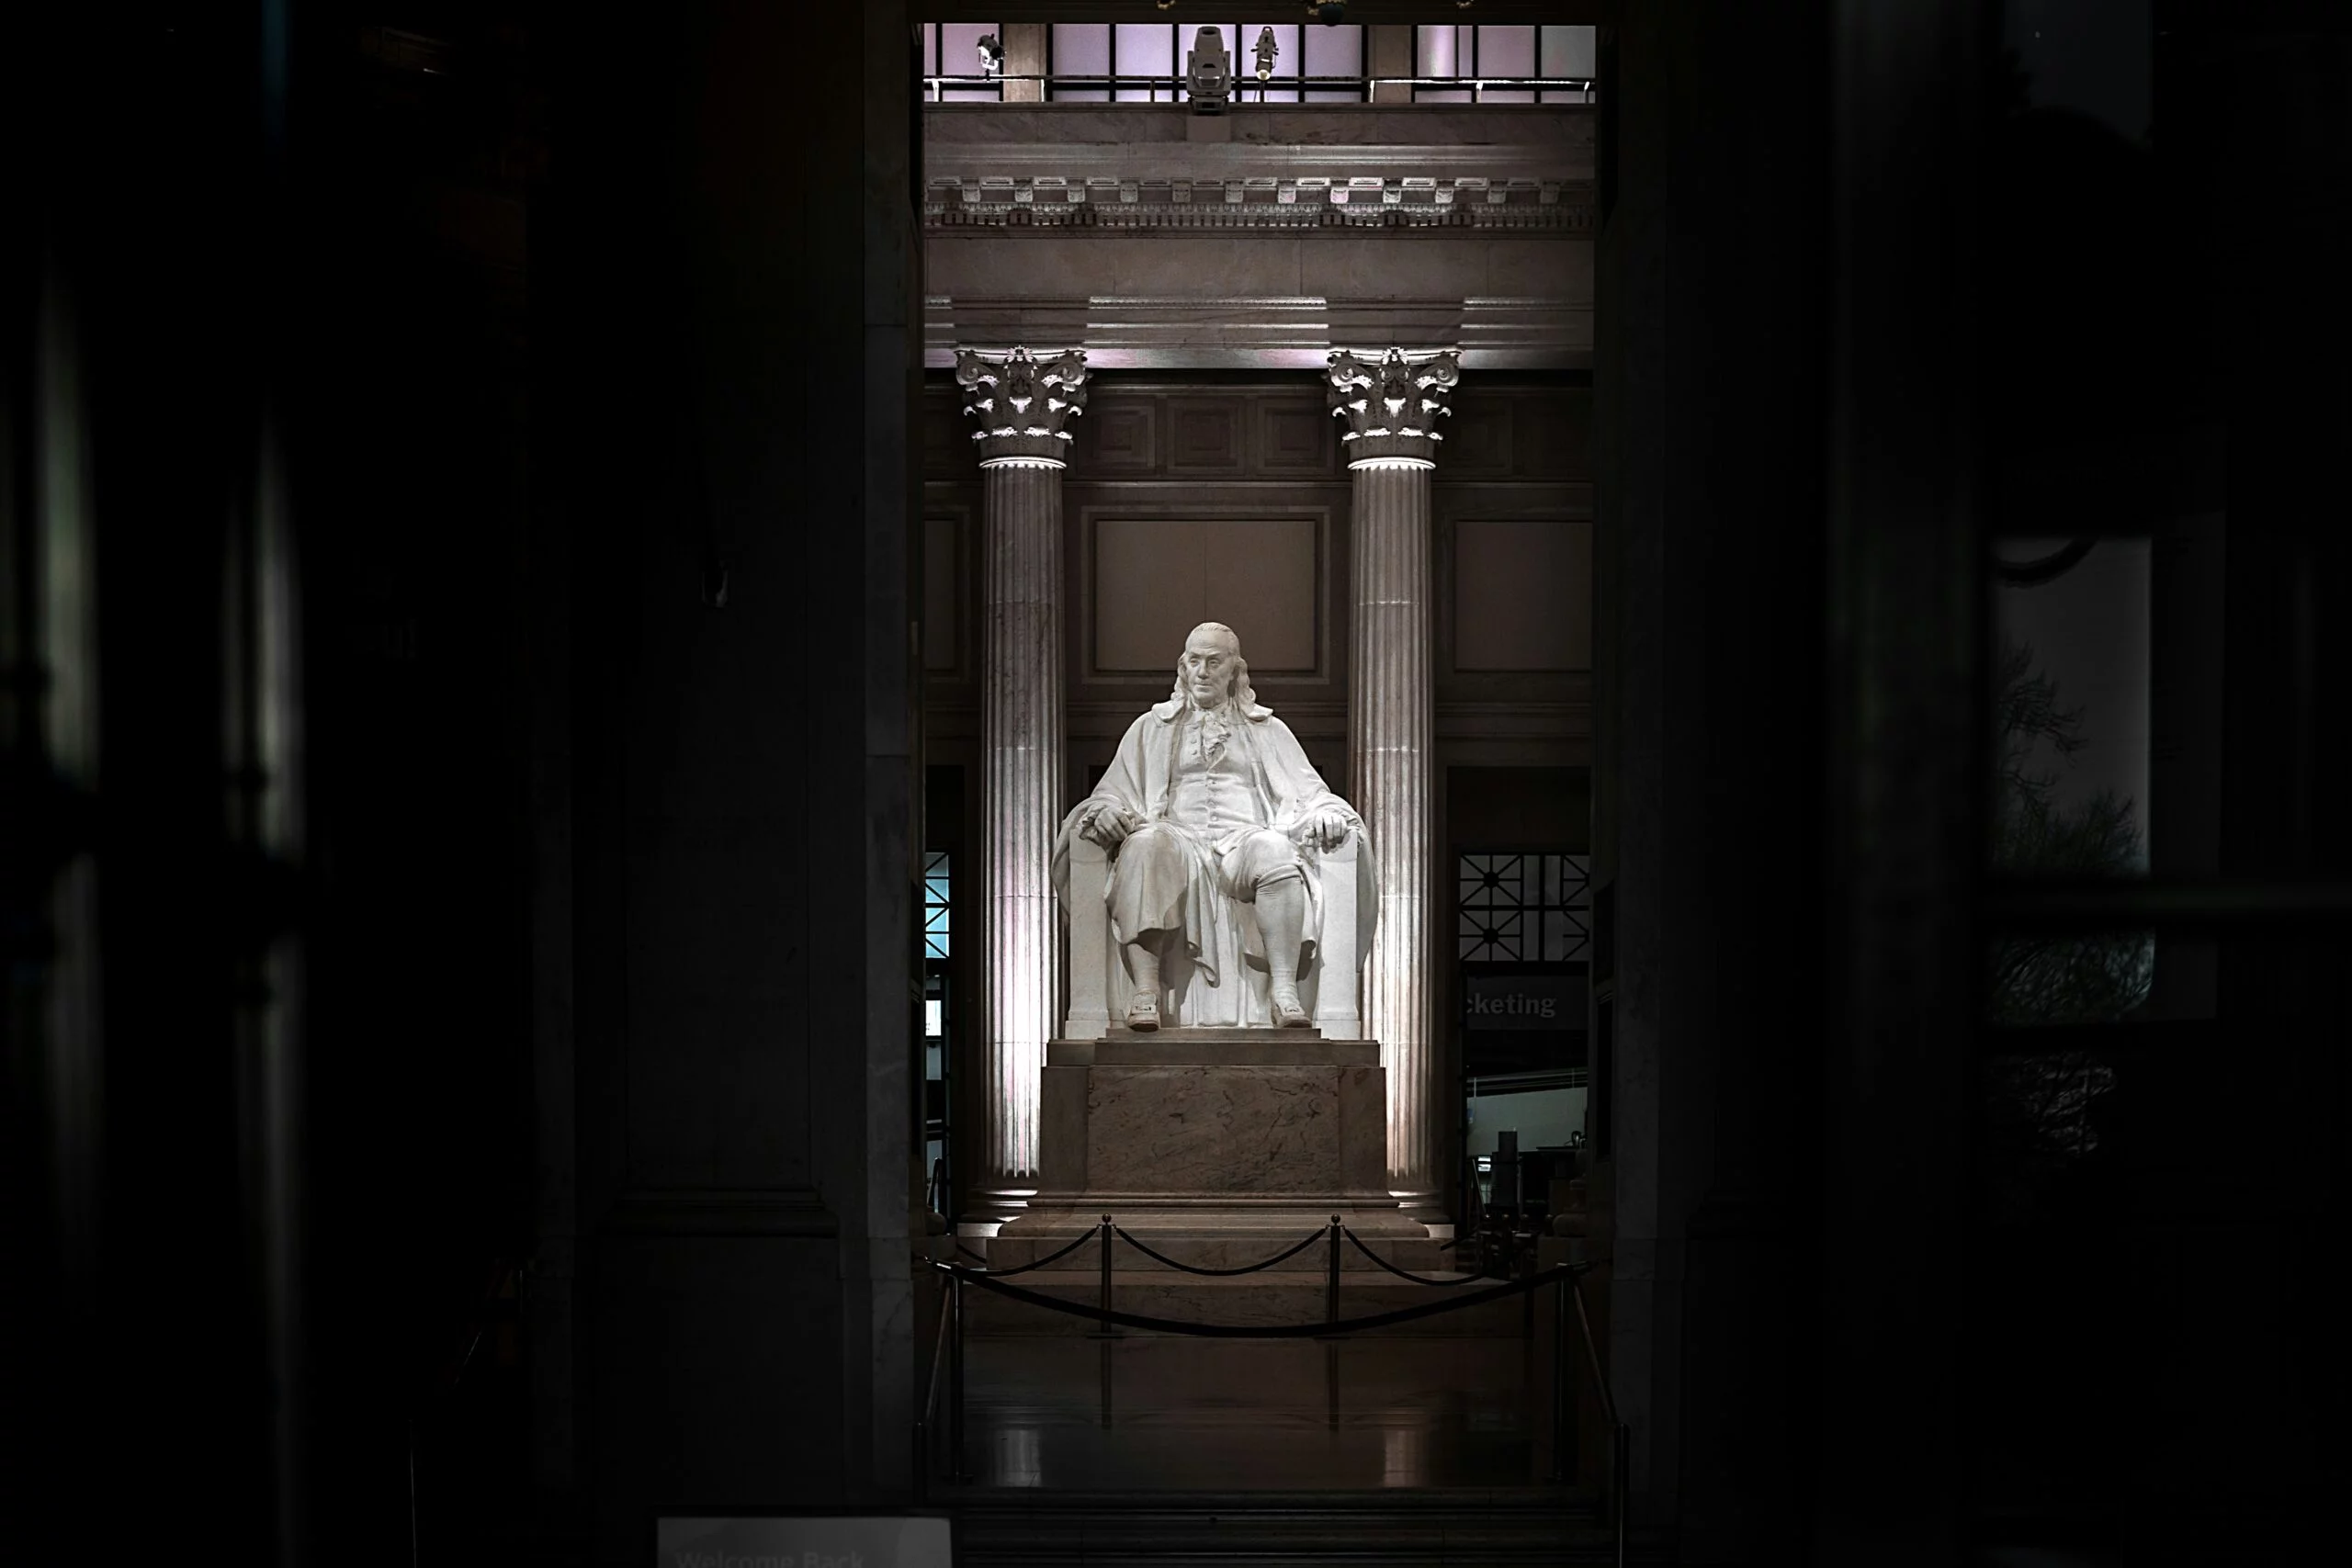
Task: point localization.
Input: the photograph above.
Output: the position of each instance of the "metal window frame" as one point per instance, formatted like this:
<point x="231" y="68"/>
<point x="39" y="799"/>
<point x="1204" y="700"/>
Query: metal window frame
<point x="1580" y="913"/>
<point x="1174" y="83"/>
<point x="936" y="79"/>
<point x="938" y="861"/>
<point x="1474" y="81"/>
<point x="938" y="973"/>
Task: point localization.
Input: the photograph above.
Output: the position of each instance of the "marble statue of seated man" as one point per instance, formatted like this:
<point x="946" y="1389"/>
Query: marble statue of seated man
<point x="1216" y="824"/>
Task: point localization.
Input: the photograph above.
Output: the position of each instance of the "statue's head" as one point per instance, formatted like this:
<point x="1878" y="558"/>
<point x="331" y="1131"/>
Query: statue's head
<point x="1210" y="670"/>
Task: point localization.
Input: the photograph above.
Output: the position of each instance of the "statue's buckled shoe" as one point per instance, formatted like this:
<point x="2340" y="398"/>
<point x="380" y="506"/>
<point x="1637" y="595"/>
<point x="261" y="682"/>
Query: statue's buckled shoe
<point x="1289" y="1012"/>
<point x="1143" y="1013"/>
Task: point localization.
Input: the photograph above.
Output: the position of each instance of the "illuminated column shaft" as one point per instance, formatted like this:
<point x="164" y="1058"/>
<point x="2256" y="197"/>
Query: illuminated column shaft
<point x="1020" y="743"/>
<point x="1390" y="406"/>
<point x="1021" y="404"/>
<point x="1388" y="725"/>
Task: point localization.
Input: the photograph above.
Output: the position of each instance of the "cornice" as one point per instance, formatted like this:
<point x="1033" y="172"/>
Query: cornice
<point x="1291" y="203"/>
<point x="1269" y="333"/>
<point x="1125" y="156"/>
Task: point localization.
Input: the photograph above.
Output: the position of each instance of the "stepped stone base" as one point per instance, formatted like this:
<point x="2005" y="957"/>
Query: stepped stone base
<point x="1214" y="1048"/>
<point x="1218" y="1147"/>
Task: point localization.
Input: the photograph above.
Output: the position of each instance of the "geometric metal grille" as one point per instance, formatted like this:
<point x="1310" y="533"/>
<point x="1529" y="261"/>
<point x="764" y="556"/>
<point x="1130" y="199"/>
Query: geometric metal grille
<point x="1524" y="909"/>
<point x="934" y="904"/>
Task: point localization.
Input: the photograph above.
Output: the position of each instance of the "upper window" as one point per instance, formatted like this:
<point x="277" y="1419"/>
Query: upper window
<point x="1461" y="64"/>
<point x="1142" y="63"/>
<point x="953" y="70"/>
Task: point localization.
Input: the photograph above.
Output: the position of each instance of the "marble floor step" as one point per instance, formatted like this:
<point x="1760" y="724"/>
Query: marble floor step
<point x="1326" y="1530"/>
<point x="1055" y="1419"/>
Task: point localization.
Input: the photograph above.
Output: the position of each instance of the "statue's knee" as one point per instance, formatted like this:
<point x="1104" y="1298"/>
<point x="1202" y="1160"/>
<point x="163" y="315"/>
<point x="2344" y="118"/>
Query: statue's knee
<point x="1272" y="862"/>
<point x="1149" y="843"/>
<point x="1271" y="849"/>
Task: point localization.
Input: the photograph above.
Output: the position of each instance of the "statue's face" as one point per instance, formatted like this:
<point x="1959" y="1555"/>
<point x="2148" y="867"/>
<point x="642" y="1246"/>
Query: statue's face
<point x="1208" y="668"/>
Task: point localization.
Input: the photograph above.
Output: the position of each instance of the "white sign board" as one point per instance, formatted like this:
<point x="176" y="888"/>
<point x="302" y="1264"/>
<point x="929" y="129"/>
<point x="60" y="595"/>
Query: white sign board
<point x="841" y="1542"/>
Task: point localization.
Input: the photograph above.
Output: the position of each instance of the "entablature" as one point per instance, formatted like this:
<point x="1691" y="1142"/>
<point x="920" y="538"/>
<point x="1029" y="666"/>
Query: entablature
<point x="1270" y="232"/>
<point x="1262" y="201"/>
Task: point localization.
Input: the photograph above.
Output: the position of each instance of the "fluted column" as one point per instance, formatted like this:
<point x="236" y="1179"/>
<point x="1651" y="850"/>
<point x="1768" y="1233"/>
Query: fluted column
<point x="1021" y="405"/>
<point x="1390" y="406"/>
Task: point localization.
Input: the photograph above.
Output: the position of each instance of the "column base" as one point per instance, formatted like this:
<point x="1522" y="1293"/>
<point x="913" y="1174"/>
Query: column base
<point x="989" y="1212"/>
<point x="1421" y="1207"/>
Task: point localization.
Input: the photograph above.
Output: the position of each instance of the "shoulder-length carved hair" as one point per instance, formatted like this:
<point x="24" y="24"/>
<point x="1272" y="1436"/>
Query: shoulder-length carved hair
<point x="1245" y="697"/>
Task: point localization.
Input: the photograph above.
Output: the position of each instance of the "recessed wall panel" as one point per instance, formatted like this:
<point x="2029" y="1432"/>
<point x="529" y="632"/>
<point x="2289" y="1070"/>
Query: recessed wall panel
<point x="1477" y="440"/>
<point x="1150" y="588"/>
<point x="1203" y="438"/>
<point x="1553" y="434"/>
<point x="1295" y="438"/>
<point x="1123" y="438"/>
<point x="1260" y="581"/>
<point x="1156" y="579"/>
<point x="940" y="576"/>
<point x="946" y="441"/>
<point x="1522" y="594"/>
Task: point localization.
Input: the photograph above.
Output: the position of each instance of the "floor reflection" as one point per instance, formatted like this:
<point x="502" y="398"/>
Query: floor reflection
<point x="1149" y="1413"/>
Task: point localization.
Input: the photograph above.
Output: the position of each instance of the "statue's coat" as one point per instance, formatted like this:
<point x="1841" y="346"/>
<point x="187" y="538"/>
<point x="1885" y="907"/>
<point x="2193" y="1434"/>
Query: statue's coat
<point x="1221" y="936"/>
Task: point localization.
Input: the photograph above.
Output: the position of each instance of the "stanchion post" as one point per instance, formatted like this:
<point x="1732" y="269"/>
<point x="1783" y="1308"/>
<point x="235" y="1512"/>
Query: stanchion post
<point x="1108" y="1328"/>
<point x="1561" y="1413"/>
<point x="1332" y="1281"/>
<point x="957" y="1472"/>
<point x="1620" y="1443"/>
<point x="1331" y="1381"/>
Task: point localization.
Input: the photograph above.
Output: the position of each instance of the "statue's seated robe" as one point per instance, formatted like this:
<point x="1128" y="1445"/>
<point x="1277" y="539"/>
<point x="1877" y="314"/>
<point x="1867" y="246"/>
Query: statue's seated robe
<point x="1215" y="975"/>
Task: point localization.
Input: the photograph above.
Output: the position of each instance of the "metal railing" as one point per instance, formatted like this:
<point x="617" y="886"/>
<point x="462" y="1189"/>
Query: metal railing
<point x="1567" y="1279"/>
<point x="1174" y="89"/>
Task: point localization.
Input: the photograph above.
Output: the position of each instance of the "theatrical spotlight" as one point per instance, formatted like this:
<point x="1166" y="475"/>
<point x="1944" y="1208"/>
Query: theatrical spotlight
<point x="1208" y="72"/>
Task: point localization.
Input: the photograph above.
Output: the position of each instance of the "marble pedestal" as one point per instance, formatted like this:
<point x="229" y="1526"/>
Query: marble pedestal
<point x="1217" y="1148"/>
<point x="1266" y="1119"/>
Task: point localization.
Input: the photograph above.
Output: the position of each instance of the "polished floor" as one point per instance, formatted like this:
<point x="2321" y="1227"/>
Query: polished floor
<point x="1150" y="1413"/>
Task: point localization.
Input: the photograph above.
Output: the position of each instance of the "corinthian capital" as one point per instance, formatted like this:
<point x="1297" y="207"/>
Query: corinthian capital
<point x="1021" y="403"/>
<point x="1392" y="404"/>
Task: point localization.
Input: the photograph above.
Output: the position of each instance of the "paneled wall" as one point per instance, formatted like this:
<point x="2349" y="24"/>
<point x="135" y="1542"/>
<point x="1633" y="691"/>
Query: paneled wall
<point x="1512" y="512"/>
<point x="1209" y="497"/>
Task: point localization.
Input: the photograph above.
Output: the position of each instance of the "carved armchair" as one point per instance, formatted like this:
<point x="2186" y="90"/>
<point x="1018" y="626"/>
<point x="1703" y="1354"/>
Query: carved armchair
<point x="1098" y="986"/>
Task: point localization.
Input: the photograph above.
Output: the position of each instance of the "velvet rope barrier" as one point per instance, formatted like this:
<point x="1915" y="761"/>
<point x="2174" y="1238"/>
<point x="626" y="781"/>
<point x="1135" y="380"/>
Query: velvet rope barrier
<point x="1558" y="1274"/>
